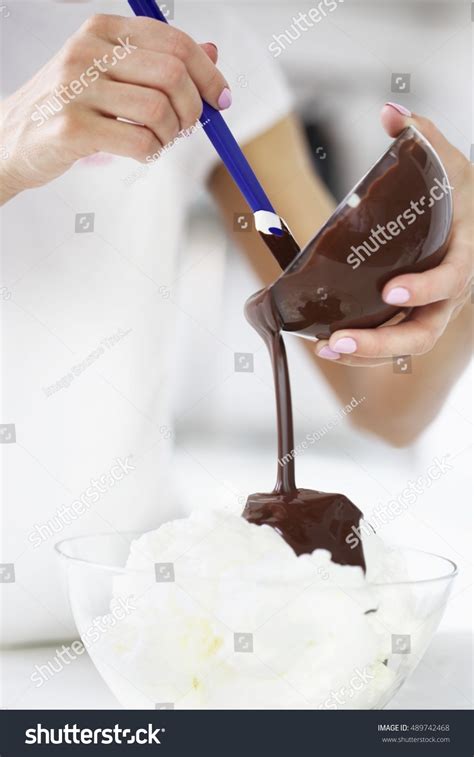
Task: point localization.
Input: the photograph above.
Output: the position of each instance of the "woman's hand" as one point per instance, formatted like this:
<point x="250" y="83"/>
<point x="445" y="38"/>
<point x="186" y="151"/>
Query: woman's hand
<point x="135" y="69"/>
<point x="437" y="296"/>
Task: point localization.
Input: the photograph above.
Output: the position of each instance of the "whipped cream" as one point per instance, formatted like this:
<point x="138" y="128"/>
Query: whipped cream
<point x="227" y="616"/>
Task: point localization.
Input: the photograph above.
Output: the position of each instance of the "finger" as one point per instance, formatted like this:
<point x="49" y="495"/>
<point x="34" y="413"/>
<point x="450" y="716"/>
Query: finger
<point x="209" y="81"/>
<point x="146" y="106"/>
<point x="397" y="117"/>
<point x="167" y="74"/>
<point x="415" y="336"/>
<point x="323" y="351"/>
<point x="148" y="34"/>
<point x="447" y="281"/>
<point x="127" y="140"/>
<point x="211" y="51"/>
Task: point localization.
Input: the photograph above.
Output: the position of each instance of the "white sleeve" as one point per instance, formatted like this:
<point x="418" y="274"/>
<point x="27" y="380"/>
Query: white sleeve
<point x="260" y="94"/>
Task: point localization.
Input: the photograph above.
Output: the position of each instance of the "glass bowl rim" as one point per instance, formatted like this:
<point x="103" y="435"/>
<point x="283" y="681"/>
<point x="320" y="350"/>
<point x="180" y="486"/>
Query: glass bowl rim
<point x="59" y="549"/>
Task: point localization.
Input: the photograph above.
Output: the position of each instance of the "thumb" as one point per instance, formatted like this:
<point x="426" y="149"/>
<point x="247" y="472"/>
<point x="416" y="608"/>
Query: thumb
<point x="211" y="51"/>
<point x="396" y="117"/>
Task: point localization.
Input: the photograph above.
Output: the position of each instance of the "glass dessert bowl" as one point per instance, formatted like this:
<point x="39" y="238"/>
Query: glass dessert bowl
<point x="277" y="632"/>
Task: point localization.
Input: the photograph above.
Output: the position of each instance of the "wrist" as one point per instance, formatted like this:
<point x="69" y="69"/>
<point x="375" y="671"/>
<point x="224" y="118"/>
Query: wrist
<point x="13" y="171"/>
<point x="10" y="185"/>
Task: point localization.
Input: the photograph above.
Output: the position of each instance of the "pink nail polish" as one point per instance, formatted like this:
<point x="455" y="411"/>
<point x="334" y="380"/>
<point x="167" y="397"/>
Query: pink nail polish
<point x="401" y="109"/>
<point x="397" y="296"/>
<point x="329" y="354"/>
<point x="346" y="345"/>
<point x="225" y="99"/>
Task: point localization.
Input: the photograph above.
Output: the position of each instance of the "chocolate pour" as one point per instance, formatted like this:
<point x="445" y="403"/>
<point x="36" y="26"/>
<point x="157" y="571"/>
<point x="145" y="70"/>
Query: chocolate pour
<point x="321" y="292"/>
<point x="306" y="519"/>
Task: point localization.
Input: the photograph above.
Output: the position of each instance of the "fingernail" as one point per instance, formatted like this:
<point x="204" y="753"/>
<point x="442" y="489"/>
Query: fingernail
<point x="329" y="354"/>
<point x="346" y="345"/>
<point x="225" y="99"/>
<point x="397" y="296"/>
<point x="401" y="109"/>
<point x="211" y="44"/>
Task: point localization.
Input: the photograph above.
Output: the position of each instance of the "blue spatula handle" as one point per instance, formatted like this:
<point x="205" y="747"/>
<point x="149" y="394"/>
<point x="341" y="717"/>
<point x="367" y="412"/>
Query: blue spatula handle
<point x="219" y="133"/>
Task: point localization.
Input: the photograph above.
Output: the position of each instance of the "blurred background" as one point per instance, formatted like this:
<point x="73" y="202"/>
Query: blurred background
<point x="417" y="53"/>
<point x="340" y="73"/>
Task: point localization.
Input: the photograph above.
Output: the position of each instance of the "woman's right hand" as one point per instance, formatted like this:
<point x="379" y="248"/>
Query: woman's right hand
<point x="113" y="67"/>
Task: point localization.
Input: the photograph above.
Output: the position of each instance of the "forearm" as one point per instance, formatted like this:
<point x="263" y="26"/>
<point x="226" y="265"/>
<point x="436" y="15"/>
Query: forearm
<point x="400" y="404"/>
<point x="397" y="406"/>
<point x="8" y="187"/>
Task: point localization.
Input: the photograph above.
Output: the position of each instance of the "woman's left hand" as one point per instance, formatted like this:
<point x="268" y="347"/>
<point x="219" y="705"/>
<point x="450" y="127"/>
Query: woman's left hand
<point x="436" y="296"/>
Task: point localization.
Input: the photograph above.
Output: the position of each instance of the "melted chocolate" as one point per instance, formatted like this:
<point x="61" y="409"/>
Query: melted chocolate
<point x="306" y="520"/>
<point x="335" y="282"/>
<point x="284" y="248"/>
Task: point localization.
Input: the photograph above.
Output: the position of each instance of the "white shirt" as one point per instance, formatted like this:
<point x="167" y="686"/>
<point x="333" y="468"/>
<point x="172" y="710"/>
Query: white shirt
<point x="88" y="319"/>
